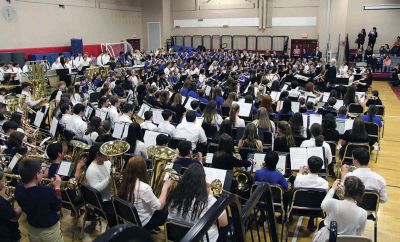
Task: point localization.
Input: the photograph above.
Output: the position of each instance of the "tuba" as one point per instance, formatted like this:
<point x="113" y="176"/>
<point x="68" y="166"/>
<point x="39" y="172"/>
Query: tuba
<point x="160" y="155"/>
<point x="243" y="179"/>
<point x="79" y="149"/>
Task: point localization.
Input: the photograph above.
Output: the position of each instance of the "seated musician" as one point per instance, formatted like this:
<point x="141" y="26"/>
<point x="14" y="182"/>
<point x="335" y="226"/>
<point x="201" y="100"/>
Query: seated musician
<point x="250" y="138"/>
<point x="224" y="157"/>
<point x="190" y="131"/>
<point x="26" y="90"/>
<point x="66" y="114"/>
<point x="166" y="126"/>
<point x="40" y="203"/>
<point x="135" y="188"/>
<point x="56" y="95"/>
<point x="350" y="218"/>
<point x="105" y="132"/>
<point x="127" y="113"/>
<point x="262" y="120"/>
<point x="284" y="140"/>
<point x="186" y="154"/>
<point x="56" y="154"/>
<point x="318" y="140"/>
<point x="148" y="121"/>
<point x="75" y="124"/>
<point x="18" y="118"/>
<point x="9" y="127"/>
<point x="329" y="106"/>
<point x="137" y="147"/>
<point x="234" y="117"/>
<point x="9" y="216"/>
<point x="357" y="134"/>
<point x="372" y="180"/>
<point x="104" y="103"/>
<point x="210" y="114"/>
<point x="329" y="130"/>
<point x="310" y="108"/>
<point x="371" y="116"/>
<point x="286" y="108"/>
<point x="342" y="113"/>
<point x="269" y="173"/>
<point x="311" y="180"/>
<point x="192" y="198"/>
<point x="98" y="177"/>
<point x="93" y="130"/>
<point x="113" y="112"/>
<point x="15" y="145"/>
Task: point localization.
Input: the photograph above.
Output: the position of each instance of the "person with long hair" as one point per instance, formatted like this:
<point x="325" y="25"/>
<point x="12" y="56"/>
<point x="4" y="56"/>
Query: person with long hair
<point x="216" y="95"/>
<point x="350" y="218"/>
<point x="135" y="189"/>
<point x="296" y="123"/>
<point x="234" y="116"/>
<point x="358" y="134"/>
<point x="286" y="108"/>
<point x="371" y="116"/>
<point x="177" y="107"/>
<point x="250" y="138"/>
<point x="284" y="140"/>
<point x="262" y="120"/>
<point x="317" y="140"/>
<point x="230" y="99"/>
<point x="210" y="114"/>
<point x="92" y="131"/>
<point x="329" y="130"/>
<point x="15" y="145"/>
<point x="192" y="198"/>
<point x="224" y="157"/>
<point x="266" y="102"/>
<point x="137" y="147"/>
<point x="350" y="96"/>
<point x="226" y="127"/>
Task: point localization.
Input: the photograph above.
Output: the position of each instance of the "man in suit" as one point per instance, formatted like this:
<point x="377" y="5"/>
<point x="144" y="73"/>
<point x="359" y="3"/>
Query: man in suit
<point x="316" y="53"/>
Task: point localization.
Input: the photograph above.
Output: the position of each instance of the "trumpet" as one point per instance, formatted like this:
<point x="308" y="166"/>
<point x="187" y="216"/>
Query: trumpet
<point x="71" y="184"/>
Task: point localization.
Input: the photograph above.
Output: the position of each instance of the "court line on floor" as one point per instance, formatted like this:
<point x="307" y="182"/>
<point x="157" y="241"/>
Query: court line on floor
<point x="296" y="232"/>
<point x="394" y="186"/>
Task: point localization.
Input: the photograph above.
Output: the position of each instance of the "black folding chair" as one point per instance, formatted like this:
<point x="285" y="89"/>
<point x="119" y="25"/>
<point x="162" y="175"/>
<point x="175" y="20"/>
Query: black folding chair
<point x="125" y="212"/>
<point x="266" y="136"/>
<point x="173" y="142"/>
<point x="298" y="140"/>
<point x="348" y="152"/>
<point x="355" y="109"/>
<point x="374" y="135"/>
<point x="306" y="202"/>
<point x="210" y="130"/>
<point x="244" y="152"/>
<point x="175" y="230"/>
<point x="125" y="233"/>
<point x="212" y="148"/>
<point x="237" y="134"/>
<point x="284" y="117"/>
<point x="381" y="114"/>
<point x="370" y="203"/>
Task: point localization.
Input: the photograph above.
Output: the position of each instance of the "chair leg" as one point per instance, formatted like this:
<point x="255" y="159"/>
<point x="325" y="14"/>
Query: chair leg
<point x="376" y="230"/>
<point x="287" y="228"/>
<point x="83" y="224"/>
<point x="283" y="226"/>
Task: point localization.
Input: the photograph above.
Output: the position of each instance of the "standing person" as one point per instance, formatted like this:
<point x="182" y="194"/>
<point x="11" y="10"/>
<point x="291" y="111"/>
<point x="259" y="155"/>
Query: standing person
<point x="372" y="35"/>
<point x="40" y="203"/>
<point x="361" y="39"/>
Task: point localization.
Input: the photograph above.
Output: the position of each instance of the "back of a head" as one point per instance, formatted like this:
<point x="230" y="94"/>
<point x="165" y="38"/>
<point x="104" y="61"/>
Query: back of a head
<point x="28" y="168"/>
<point x="361" y="155"/>
<point x="8" y="125"/>
<point x="79" y="108"/>
<point x="166" y="114"/>
<point x="226" y="127"/>
<point x="225" y="143"/>
<point x="128" y="107"/>
<point x="148" y="115"/>
<point x="332" y="101"/>
<point x="190" y="116"/>
<point x="64" y="107"/>
<point x="184" y="148"/>
<point x="315" y="164"/>
<point x="342" y="110"/>
<point x="194" y="104"/>
<point x="162" y="139"/>
<point x="271" y="160"/>
<point x="53" y="149"/>
<point x="310" y="106"/>
<point x="316" y="132"/>
<point x="353" y="188"/>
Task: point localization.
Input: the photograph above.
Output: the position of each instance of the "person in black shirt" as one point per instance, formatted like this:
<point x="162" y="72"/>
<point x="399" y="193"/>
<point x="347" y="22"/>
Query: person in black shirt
<point x="284" y="140"/>
<point x="14" y="146"/>
<point x="55" y="153"/>
<point x="373" y="99"/>
<point x="8" y="216"/>
<point x="186" y="154"/>
<point x="372" y="36"/>
<point x="329" y="128"/>
<point x="224" y="158"/>
<point x="150" y="99"/>
<point x="40" y="203"/>
<point x="358" y="134"/>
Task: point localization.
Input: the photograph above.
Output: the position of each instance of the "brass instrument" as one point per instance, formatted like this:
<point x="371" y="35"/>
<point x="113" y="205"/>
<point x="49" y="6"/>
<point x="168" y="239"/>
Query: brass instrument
<point x="12" y="103"/>
<point x="243" y="178"/>
<point x="340" y="190"/>
<point x="160" y="155"/>
<point x="91" y="72"/>
<point x="115" y="150"/>
<point x="105" y="71"/>
<point x="79" y="148"/>
<point x="71" y="184"/>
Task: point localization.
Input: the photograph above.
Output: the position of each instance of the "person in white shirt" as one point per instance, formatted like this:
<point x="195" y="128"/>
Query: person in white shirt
<point x="350" y="218"/>
<point x="133" y="78"/>
<point x="92" y="131"/>
<point x="135" y="189"/>
<point x="234" y="117"/>
<point x="201" y="198"/>
<point x="26" y="90"/>
<point x="211" y="116"/>
<point x="167" y="70"/>
<point x="26" y="68"/>
<point x="148" y="122"/>
<point x="69" y="65"/>
<point x="75" y="124"/>
<point x="57" y="65"/>
<point x="166" y="126"/>
<point x="190" y="131"/>
<point x="79" y="61"/>
<point x="86" y="61"/>
<point x="98" y="177"/>
<point x="372" y="180"/>
<point x="103" y="59"/>
<point x="317" y="140"/>
<point x="113" y="112"/>
<point x="127" y="112"/>
<point x="16" y="69"/>
<point x="66" y="111"/>
<point x="137" y="147"/>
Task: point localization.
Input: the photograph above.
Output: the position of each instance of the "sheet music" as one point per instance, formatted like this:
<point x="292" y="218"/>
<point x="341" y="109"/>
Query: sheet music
<point x="340" y="125"/>
<point x="339" y="103"/>
<point x="295" y="107"/>
<point x="305" y="121"/>
<point x="88" y="112"/>
<point x="316" y="151"/>
<point x="101" y="114"/>
<point x="169" y="165"/>
<point x="285" y="87"/>
<point x="199" y="121"/>
<point x="157" y="117"/>
<point x="38" y="119"/>
<point x="13" y="162"/>
<point x="126" y="129"/>
<point x="275" y="95"/>
<point x="187" y="105"/>
<point x="2" y="99"/>
<point x="208" y="90"/>
<point x="348" y="124"/>
<point x="258" y="161"/>
<point x="143" y="109"/>
<point x="118" y="130"/>
<point x="325" y="97"/>
<point x="209" y="158"/>
<point x="150" y="137"/>
<point x="53" y="126"/>
<point x="241" y="100"/>
<point x="64" y="168"/>
<point x="214" y="174"/>
<point x="298" y="157"/>
<point x="311" y="99"/>
<point x="315" y="118"/>
<point x="245" y="109"/>
<point x="281" y="166"/>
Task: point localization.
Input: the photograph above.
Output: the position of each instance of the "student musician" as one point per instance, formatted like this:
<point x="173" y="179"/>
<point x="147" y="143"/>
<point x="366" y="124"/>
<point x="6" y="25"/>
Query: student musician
<point x="127" y="113"/>
<point x="26" y="90"/>
<point x="148" y="122"/>
<point x="40" y="203"/>
<point x="75" y="124"/>
<point x="269" y="173"/>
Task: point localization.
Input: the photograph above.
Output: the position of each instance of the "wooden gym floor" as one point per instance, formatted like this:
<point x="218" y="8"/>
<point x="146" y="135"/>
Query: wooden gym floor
<point x="387" y="166"/>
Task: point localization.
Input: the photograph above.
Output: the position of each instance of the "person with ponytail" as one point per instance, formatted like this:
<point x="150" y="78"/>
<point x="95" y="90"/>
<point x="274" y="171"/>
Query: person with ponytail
<point x="284" y="140"/>
<point x="371" y="117"/>
<point x="234" y="117"/>
<point x="317" y="140"/>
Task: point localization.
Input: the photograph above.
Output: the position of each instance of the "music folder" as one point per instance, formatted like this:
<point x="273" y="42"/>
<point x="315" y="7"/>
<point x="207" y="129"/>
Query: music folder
<point x="149" y="138"/>
<point x="38" y="118"/>
<point x="14" y="161"/>
<point x="259" y="162"/>
<point x="225" y="176"/>
<point x="120" y="130"/>
<point x="299" y="156"/>
<point x="245" y="109"/>
<point x="157" y="116"/>
<point x="53" y="127"/>
<point x="145" y="107"/>
<point x="88" y="112"/>
<point x="101" y="114"/>
<point x="65" y="169"/>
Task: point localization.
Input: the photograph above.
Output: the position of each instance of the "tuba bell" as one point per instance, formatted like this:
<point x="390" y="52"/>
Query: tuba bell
<point x="244" y="180"/>
<point x="79" y="148"/>
<point x="160" y="156"/>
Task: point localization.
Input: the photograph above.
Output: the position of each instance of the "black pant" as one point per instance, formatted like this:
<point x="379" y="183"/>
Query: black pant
<point x="158" y="219"/>
<point x="110" y="213"/>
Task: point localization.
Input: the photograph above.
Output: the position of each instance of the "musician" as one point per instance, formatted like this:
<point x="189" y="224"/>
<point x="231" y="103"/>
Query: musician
<point x="16" y="69"/>
<point x="250" y="138"/>
<point x="127" y="113"/>
<point x="93" y="130"/>
<point x="103" y="59"/>
<point x="66" y="114"/>
<point x="318" y="140"/>
<point x="56" y="154"/>
<point x="166" y="126"/>
<point x="190" y="131"/>
<point x="148" y="122"/>
<point x="188" y="202"/>
<point x="113" y="112"/>
<point x="9" y="127"/>
<point x="234" y="116"/>
<point x="26" y="90"/>
<point x="26" y="68"/>
<point x="57" y="65"/>
<point x="186" y="154"/>
<point x="15" y="145"/>
<point x="79" y="64"/>
<point x="104" y="103"/>
<point x="329" y="106"/>
<point x="75" y="124"/>
<point x="57" y="93"/>
<point x="8" y="216"/>
<point x="330" y="75"/>
<point x="99" y="178"/>
<point x="224" y="157"/>
<point x="372" y="180"/>
<point x="86" y="60"/>
<point x="350" y="218"/>
<point x="40" y="203"/>
<point x="269" y="173"/>
<point x="137" y="147"/>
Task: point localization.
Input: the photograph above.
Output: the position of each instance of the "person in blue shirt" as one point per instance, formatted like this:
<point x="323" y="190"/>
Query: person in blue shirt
<point x="97" y="82"/>
<point x="269" y="173"/>
<point x="310" y="108"/>
<point x="342" y="113"/>
<point x="195" y="104"/>
<point x="185" y="158"/>
<point x="286" y="108"/>
<point x="201" y="98"/>
<point x="371" y="116"/>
